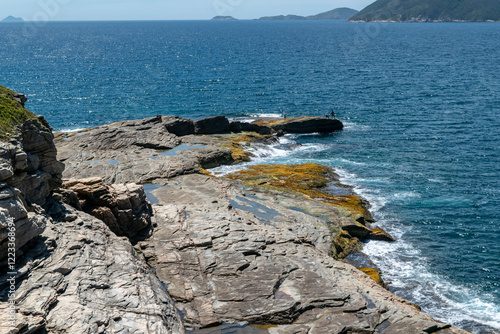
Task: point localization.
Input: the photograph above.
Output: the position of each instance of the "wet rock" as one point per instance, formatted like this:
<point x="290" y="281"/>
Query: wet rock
<point x="381" y="235"/>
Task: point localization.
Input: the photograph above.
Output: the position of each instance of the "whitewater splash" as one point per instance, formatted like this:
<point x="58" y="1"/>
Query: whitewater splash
<point x="404" y="268"/>
<point x="408" y="272"/>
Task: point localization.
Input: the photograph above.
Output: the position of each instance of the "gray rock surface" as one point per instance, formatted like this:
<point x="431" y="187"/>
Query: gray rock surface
<point x="29" y="162"/>
<point x="178" y="126"/>
<point x="29" y="172"/>
<point x="232" y="255"/>
<point x="72" y="275"/>
<point x="135" y="152"/>
<point x="78" y="277"/>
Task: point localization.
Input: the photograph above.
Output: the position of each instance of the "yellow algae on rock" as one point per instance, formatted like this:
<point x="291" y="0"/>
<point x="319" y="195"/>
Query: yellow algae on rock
<point x="374" y="275"/>
<point x="308" y="179"/>
<point x="237" y="142"/>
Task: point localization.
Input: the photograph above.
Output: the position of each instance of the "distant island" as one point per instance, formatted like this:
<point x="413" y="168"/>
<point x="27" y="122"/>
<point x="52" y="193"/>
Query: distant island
<point x="224" y="18"/>
<point x="336" y="14"/>
<point x="429" y="11"/>
<point x="12" y="19"/>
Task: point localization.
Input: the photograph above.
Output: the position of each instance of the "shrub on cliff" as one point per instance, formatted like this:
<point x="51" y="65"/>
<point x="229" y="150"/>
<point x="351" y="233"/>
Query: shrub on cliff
<point x="12" y="112"/>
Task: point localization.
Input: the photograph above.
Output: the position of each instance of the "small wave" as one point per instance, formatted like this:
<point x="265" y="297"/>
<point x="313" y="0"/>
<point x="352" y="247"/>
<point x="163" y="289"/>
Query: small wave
<point x="355" y="126"/>
<point x="70" y="129"/>
<point x="409" y="275"/>
<point x="264" y="115"/>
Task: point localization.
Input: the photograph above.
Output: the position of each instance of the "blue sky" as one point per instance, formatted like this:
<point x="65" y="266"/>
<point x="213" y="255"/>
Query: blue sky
<point x="62" y="10"/>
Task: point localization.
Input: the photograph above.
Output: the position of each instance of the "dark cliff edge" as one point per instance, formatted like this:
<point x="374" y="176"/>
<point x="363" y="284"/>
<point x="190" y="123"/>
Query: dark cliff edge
<point x="259" y="248"/>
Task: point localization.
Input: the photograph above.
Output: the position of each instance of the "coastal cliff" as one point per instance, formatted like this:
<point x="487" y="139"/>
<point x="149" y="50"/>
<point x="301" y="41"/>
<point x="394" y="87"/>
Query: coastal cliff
<point x="429" y="11"/>
<point x="63" y="271"/>
<point x="260" y="250"/>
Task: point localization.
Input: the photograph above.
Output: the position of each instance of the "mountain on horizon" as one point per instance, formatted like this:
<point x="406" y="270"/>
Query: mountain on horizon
<point x="335" y="14"/>
<point x="12" y="19"/>
<point x="430" y="11"/>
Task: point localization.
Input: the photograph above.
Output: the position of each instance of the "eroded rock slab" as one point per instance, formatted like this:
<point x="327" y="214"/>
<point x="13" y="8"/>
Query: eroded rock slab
<point x="232" y="255"/>
<point x="135" y="152"/>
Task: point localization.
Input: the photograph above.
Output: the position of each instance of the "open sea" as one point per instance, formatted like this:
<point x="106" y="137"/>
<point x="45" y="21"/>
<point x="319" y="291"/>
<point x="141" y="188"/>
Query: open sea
<point x="421" y="105"/>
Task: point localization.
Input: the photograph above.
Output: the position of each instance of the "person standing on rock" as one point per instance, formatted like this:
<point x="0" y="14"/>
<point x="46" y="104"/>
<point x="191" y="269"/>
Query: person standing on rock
<point x="333" y="113"/>
<point x="284" y="115"/>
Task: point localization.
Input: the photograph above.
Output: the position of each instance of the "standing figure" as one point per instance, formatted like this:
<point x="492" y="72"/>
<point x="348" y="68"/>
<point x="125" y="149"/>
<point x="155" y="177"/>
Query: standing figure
<point x="284" y="115"/>
<point x="333" y="113"/>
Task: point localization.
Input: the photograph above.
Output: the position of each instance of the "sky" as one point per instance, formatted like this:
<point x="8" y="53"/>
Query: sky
<point x="76" y="10"/>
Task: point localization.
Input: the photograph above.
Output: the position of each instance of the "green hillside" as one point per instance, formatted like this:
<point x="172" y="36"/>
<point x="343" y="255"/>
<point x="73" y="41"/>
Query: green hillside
<point x="335" y="14"/>
<point x="430" y="11"/>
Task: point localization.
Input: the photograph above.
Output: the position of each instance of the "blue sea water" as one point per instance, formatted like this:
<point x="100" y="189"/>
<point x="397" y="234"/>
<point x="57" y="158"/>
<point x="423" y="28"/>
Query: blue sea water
<point x="421" y="105"/>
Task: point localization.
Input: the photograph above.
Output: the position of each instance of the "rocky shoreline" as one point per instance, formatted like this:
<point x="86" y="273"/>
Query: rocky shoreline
<point x="258" y="251"/>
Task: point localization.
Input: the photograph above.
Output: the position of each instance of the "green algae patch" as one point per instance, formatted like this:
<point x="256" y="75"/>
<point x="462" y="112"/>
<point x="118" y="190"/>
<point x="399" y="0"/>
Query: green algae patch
<point x="12" y="114"/>
<point x="308" y="179"/>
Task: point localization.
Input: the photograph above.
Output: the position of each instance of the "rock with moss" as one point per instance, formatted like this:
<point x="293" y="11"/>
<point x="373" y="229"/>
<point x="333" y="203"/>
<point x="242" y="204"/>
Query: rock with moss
<point x="29" y="171"/>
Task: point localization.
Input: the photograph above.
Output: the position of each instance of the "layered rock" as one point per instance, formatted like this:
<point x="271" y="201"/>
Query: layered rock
<point x="122" y="207"/>
<point x="78" y="277"/>
<point x="136" y="151"/>
<point x="29" y="172"/>
<point x="229" y="255"/>
<point x="67" y="272"/>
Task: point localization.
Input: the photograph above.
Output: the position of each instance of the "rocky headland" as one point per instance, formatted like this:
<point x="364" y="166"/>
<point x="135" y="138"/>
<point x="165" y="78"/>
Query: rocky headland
<point x="121" y="229"/>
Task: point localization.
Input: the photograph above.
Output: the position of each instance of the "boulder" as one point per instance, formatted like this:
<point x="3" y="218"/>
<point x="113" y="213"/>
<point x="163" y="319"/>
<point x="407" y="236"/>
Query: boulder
<point x="124" y="208"/>
<point x="212" y="125"/>
<point x="17" y="225"/>
<point x="178" y="126"/>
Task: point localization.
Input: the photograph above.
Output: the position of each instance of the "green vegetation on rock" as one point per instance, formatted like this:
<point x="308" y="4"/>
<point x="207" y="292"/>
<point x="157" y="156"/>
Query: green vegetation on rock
<point x="430" y="11"/>
<point x="336" y="14"/>
<point x="12" y="113"/>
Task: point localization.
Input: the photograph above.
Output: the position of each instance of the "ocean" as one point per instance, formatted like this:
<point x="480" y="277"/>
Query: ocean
<point x="421" y="105"/>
